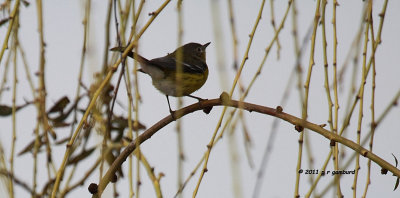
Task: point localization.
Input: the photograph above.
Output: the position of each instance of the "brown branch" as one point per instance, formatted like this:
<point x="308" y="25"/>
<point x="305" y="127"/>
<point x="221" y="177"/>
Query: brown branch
<point x="224" y="100"/>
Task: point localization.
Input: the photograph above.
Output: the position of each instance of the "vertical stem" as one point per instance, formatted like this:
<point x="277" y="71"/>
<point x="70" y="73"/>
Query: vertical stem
<point x="373" y="123"/>
<point x="14" y="108"/>
<point x="232" y="142"/>
<point x="278" y="44"/>
<point x="179" y="134"/>
<point x="328" y="91"/>
<point x="306" y="92"/>
<point x="13" y="15"/>
<point x="105" y="67"/>
<point x="136" y="109"/>
<point x="361" y="94"/>
<point x="335" y="89"/>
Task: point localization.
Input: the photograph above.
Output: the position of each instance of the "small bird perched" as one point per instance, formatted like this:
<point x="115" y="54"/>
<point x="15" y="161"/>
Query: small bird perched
<point x="163" y="70"/>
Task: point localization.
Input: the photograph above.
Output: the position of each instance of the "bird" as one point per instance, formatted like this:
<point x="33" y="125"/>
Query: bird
<point x="164" y="70"/>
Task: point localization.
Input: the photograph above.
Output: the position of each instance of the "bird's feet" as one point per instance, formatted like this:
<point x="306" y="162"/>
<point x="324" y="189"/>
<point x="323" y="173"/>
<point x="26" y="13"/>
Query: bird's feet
<point x="172" y="114"/>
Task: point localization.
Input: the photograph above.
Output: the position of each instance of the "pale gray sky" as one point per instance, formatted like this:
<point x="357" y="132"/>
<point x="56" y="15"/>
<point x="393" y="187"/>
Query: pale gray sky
<point x="64" y="33"/>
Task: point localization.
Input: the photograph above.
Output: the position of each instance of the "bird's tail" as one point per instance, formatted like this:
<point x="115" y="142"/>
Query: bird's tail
<point x="131" y="54"/>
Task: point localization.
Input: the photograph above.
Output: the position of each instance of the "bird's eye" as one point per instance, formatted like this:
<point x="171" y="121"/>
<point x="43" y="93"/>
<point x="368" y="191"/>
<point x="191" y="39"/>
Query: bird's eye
<point x="199" y="49"/>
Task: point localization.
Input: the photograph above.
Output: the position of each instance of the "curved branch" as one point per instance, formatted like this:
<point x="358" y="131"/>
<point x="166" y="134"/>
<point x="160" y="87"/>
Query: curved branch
<point x="224" y="100"/>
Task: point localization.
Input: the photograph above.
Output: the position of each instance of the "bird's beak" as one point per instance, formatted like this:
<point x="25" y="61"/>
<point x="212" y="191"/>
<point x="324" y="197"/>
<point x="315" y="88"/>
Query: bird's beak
<point x="205" y="45"/>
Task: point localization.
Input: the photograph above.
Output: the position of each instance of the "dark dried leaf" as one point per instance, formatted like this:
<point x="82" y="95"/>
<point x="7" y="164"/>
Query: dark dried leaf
<point x="395" y="159"/>
<point x="62" y="141"/>
<point x="5" y="110"/>
<point x="30" y="147"/>
<point x="397" y="184"/>
<point x="120" y="123"/>
<point x="60" y="105"/>
<point x="4" y="21"/>
<point x="26" y="3"/>
<point x="83" y="155"/>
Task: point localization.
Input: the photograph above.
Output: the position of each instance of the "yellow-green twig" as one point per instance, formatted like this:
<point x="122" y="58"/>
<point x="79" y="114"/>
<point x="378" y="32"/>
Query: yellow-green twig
<point x="13" y="16"/>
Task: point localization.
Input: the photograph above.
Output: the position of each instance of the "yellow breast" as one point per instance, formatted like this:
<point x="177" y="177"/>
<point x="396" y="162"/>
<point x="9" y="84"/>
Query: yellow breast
<point x="188" y="83"/>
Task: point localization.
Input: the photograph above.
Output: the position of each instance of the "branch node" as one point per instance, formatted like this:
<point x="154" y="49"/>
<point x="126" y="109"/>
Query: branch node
<point x="224" y="97"/>
<point x="299" y="128"/>
<point x="207" y="110"/>
<point x="279" y="109"/>
<point x="182" y="156"/>
<point x="332" y="143"/>
<point x="364" y="153"/>
<point x="114" y="178"/>
<point x="300" y="141"/>
<point x="374" y="125"/>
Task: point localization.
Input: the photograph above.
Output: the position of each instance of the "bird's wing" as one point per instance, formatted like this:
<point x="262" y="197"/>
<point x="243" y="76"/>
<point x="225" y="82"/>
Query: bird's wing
<point x="169" y="64"/>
